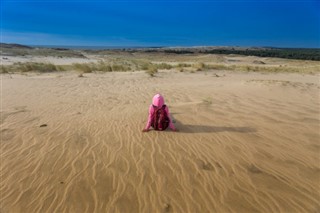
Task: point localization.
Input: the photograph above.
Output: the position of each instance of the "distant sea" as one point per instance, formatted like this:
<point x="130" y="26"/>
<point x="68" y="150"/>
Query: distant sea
<point x="91" y="47"/>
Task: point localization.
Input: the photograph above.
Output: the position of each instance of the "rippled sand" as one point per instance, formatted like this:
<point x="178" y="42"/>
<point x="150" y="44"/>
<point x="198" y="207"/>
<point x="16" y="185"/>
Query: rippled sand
<point x="248" y="142"/>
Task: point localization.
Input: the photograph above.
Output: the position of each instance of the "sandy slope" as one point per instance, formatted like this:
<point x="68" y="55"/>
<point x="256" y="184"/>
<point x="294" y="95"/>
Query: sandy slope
<point x="247" y="143"/>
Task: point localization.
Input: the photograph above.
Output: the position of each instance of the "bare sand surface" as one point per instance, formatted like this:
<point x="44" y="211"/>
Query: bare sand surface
<point x="248" y="142"/>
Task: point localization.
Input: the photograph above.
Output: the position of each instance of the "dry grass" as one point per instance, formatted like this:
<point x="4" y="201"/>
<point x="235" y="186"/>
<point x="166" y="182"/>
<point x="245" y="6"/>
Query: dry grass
<point x="207" y="101"/>
<point x="85" y="68"/>
<point x="104" y="67"/>
<point x="120" y="68"/>
<point x="143" y="65"/>
<point x="42" y="52"/>
<point x="183" y="65"/>
<point x="255" y="68"/>
<point x="199" y="66"/>
<point x="164" y="66"/>
<point x="30" y="67"/>
<point x="180" y="69"/>
<point x="101" y="67"/>
<point x="152" y="70"/>
<point x="4" y="69"/>
<point x="132" y="63"/>
<point x="249" y="68"/>
<point x="219" y="67"/>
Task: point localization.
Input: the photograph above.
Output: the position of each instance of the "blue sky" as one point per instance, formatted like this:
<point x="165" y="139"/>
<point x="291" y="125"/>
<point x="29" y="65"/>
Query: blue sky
<point x="279" y="23"/>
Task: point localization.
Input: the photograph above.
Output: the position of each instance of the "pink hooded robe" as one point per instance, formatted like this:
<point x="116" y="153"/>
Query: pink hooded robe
<point x="158" y="101"/>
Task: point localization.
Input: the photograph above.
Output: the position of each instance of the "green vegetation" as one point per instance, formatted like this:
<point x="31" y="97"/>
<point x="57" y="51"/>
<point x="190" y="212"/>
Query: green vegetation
<point x="164" y="66"/>
<point x="100" y="67"/>
<point x="4" y="69"/>
<point x="124" y="61"/>
<point x="154" y="59"/>
<point x="207" y="101"/>
<point x="290" y="53"/>
<point x="85" y="68"/>
<point x="103" y="67"/>
<point x="199" y="66"/>
<point x="60" y="53"/>
<point x="182" y="51"/>
<point x="146" y="65"/>
<point x="152" y="70"/>
<point x="48" y="67"/>
<point x="149" y="68"/>
<point x="30" y="67"/>
<point x="183" y="65"/>
<point x="253" y="68"/>
<point x="117" y="68"/>
<point x="220" y="67"/>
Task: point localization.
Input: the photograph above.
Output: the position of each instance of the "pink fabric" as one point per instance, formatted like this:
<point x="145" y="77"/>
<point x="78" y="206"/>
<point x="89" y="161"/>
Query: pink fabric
<point x="158" y="101"/>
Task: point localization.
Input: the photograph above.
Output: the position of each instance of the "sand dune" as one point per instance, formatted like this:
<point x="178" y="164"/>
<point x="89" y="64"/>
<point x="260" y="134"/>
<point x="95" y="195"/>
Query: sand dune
<point x="248" y="142"/>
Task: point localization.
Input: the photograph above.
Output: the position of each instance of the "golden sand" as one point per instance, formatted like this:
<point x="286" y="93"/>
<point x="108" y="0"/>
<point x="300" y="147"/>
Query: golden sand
<point x="248" y="142"/>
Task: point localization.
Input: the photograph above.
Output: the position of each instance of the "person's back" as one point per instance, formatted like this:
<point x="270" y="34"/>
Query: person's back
<point x="159" y="116"/>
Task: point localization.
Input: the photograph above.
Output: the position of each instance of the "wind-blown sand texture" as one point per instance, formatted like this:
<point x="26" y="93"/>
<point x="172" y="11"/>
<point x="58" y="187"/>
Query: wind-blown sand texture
<point x="248" y="142"/>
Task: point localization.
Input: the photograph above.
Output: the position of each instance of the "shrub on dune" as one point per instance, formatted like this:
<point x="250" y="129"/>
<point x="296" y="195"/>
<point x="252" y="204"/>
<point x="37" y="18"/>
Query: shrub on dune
<point x="152" y="70"/>
<point x="164" y="66"/>
<point x="117" y="68"/>
<point x="145" y="65"/>
<point x="33" y="66"/>
<point x="199" y="66"/>
<point x="4" y="69"/>
<point x="103" y="67"/>
<point x="218" y="67"/>
<point x="183" y="65"/>
<point x="85" y="68"/>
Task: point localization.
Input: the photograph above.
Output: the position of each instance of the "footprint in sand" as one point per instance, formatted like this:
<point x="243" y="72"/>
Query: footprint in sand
<point x="20" y="108"/>
<point x="218" y="165"/>
<point x="166" y="207"/>
<point x="6" y="134"/>
<point x="205" y="166"/>
<point x="5" y="115"/>
<point x="253" y="169"/>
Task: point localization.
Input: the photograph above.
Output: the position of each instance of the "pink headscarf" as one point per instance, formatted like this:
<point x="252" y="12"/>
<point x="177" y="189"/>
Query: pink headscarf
<point x="158" y="100"/>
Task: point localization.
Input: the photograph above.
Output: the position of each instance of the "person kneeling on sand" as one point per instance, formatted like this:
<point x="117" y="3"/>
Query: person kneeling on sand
<point x="159" y="117"/>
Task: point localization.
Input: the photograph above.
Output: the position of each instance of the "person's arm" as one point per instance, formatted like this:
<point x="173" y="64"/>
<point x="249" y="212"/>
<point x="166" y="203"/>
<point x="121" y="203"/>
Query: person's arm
<point x="151" y="111"/>
<point x="171" y="125"/>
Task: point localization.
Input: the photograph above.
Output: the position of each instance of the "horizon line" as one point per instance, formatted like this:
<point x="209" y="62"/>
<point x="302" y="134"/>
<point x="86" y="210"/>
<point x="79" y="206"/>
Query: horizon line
<point x="154" y="46"/>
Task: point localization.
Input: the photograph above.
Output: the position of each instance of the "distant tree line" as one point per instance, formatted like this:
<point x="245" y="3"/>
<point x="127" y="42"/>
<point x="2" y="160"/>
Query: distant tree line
<point x="290" y="53"/>
<point x="305" y="54"/>
<point x="179" y="51"/>
<point x="175" y="51"/>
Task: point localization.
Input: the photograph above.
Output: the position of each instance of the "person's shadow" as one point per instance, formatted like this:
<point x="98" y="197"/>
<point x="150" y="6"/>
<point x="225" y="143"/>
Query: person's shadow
<point x="188" y="128"/>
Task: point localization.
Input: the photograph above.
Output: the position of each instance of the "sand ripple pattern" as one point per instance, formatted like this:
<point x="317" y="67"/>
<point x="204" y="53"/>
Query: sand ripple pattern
<point x="247" y="143"/>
